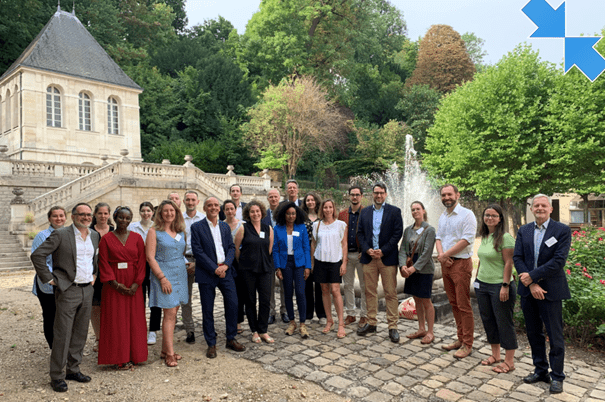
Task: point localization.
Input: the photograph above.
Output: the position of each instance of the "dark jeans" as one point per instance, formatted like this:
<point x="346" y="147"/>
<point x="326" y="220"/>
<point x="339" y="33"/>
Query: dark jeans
<point x="294" y="279"/>
<point x="47" y="302"/>
<point x="261" y="284"/>
<point x="497" y="316"/>
<point x="240" y="288"/>
<point x="313" y="299"/>
<point x="155" y="317"/>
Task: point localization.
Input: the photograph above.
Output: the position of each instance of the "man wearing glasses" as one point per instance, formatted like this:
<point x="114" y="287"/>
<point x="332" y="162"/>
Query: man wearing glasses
<point x="379" y="232"/>
<point x="351" y="218"/>
<point x="74" y="251"/>
<point x="455" y="238"/>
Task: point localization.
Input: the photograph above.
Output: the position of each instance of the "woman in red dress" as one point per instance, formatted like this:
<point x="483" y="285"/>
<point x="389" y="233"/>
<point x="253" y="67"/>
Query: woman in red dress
<point x="122" y="266"/>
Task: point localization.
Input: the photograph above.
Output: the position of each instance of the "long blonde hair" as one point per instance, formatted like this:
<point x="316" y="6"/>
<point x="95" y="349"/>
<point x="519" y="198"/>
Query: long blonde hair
<point x="178" y="225"/>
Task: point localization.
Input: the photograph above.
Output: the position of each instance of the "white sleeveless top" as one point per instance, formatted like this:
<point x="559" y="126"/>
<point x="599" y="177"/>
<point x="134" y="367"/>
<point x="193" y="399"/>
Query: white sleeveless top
<point x="329" y="240"/>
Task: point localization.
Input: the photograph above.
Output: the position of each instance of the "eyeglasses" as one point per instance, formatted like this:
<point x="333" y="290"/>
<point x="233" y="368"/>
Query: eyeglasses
<point x="491" y="216"/>
<point x="84" y="215"/>
<point x="379" y="192"/>
<point x="355" y="195"/>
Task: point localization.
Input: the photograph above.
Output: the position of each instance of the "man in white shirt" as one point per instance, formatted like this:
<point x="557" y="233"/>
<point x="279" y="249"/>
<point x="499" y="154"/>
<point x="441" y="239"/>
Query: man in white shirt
<point x="455" y="238"/>
<point x="191" y="216"/>
<point x="235" y="192"/>
<point x="74" y="251"/>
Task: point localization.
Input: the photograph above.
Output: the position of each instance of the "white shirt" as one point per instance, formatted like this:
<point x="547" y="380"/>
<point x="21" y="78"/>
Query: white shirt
<point x="138" y="228"/>
<point x="461" y="224"/>
<point x="188" y="222"/>
<point x="218" y="241"/>
<point x="329" y="240"/>
<point x="238" y="212"/>
<point x="85" y="252"/>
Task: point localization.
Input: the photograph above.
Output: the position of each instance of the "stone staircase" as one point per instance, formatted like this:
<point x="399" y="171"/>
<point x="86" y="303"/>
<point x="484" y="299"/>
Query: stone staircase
<point x="12" y="256"/>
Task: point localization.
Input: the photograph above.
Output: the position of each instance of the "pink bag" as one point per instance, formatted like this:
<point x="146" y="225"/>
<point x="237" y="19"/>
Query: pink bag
<point x="407" y="309"/>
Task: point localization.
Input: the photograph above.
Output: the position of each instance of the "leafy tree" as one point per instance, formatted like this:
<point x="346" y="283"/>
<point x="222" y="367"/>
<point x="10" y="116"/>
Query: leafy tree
<point x="418" y="106"/>
<point x="180" y="15"/>
<point x="489" y="135"/>
<point x="207" y="155"/>
<point x="407" y="57"/>
<point x="443" y="62"/>
<point x="297" y="116"/>
<point x="474" y="48"/>
<point x="381" y="147"/>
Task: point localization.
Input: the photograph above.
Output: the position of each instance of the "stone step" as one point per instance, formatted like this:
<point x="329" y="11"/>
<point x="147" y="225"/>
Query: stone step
<point x="17" y="265"/>
<point x="13" y="253"/>
<point x="17" y="258"/>
<point x="16" y="269"/>
<point x="11" y="248"/>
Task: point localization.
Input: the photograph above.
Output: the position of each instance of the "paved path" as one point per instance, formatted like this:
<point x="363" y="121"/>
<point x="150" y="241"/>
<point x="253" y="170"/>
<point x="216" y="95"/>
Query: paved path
<point x="372" y="368"/>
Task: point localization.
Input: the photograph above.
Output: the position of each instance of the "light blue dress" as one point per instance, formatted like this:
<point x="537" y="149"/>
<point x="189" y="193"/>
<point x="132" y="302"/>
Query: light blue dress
<point x="169" y="255"/>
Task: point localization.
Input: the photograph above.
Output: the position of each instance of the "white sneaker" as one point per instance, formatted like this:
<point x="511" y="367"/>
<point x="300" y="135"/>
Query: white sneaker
<point x="151" y="339"/>
<point x="323" y="321"/>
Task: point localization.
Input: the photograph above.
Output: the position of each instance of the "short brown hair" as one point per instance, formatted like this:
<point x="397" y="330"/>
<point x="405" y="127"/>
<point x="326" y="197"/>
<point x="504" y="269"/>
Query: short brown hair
<point x="55" y="208"/>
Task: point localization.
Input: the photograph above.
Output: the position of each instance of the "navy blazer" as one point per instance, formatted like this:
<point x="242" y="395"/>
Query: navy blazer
<point x="302" y="249"/>
<point x="391" y="229"/>
<point x="202" y="245"/>
<point x="550" y="272"/>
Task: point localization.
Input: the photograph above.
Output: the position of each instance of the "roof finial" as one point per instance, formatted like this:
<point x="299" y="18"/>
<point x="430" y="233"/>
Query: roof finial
<point x="73" y="9"/>
<point x="59" y="5"/>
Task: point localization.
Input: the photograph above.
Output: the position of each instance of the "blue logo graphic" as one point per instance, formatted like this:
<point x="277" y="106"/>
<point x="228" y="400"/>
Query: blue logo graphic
<point x="579" y="51"/>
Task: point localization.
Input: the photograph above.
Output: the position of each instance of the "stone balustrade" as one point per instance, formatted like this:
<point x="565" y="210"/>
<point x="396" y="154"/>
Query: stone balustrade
<point x="50" y="169"/>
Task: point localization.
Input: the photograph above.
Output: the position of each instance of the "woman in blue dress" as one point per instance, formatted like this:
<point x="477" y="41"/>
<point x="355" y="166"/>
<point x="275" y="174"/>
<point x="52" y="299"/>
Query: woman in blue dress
<point x="165" y="250"/>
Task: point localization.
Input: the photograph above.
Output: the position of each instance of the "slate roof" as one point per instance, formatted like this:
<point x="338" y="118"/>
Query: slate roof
<point x="65" y="46"/>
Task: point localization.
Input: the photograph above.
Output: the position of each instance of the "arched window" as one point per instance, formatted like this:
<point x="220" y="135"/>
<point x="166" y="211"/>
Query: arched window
<point x="53" y="107"/>
<point x="84" y="112"/>
<point x="113" y="121"/>
<point x="15" y="105"/>
<point x="7" y="112"/>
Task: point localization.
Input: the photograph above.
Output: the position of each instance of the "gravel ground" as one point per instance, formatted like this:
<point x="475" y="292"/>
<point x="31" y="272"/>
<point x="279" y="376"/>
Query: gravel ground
<point x="24" y="366"/>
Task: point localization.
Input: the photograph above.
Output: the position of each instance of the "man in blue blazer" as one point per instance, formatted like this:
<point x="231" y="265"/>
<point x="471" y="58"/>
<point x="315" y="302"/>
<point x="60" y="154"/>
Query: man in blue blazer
<point x="540" y="254"/>
<point x="214" y="251"/>
<point x="379" y="232"/>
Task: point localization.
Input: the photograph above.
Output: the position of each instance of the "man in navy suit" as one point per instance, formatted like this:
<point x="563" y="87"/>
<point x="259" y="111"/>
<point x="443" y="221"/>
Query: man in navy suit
<point x="540" y="254"/>
<point x="380" y="229"/>
<point x="214" y="251"/>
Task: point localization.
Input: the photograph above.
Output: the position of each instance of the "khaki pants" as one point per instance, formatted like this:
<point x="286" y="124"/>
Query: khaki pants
<point x="388" y="276"/>
<point x="349" y="286"/>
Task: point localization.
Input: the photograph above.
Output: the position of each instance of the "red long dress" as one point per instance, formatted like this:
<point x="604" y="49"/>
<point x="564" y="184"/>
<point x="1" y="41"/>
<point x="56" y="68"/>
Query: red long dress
<point x="123" y="324"/>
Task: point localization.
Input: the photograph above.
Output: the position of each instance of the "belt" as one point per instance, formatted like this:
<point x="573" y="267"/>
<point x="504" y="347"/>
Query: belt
<point x="82" y="285"/>
<point x="189" y="255"/>
<point x="456" y="258"/>
<point x="353" y="250"/>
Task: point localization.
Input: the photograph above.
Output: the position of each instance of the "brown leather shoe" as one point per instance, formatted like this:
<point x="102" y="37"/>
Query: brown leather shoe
<point x="463" y="352"/>
<point x="452" y="346"/>
<point x="211" y="352"/>
<point x="235" y="346"/>
<point x="362" y="321"/>
<point x="350" y="319"/>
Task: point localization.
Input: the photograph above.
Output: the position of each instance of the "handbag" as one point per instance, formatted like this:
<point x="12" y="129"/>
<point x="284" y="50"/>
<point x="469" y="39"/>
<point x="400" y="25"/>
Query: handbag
<point x="410" y="260"/>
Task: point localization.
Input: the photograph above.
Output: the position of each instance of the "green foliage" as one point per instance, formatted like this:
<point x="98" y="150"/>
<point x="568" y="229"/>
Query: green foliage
<point x="270" y="160"/>
<point x="488" y="135"/>
<point x="585" y="269"/>
<point x="207" y="155"/>
<point x="474" y="48"/>
<point x="418" y="106"/>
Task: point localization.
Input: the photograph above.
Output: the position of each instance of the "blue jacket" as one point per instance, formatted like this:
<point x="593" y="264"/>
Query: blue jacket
<point x="302" y="251"/>
<point x="550" y="272"/>
<point x="202" y="245"/>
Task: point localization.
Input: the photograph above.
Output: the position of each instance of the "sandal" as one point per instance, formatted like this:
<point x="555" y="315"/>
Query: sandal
<point x="417" y="334"/>
<point x="266" y="338"/>
<point x="239" y="329"/>
<point x="328" y="327"/>
<point x="428" y="338"/>
<point x="163" y="355"/>
<point x="341" y="332"/>
<point x="490" y="361"/>
<point x="95" y="347"/>
<point x="125" y="366"/>
<point x="503" y="368"/>
<point x="171" y="360"/>
<point x="255" y="338"/>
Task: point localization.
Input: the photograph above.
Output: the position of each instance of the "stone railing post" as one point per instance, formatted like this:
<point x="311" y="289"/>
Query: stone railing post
<point x="189" y="171"/>
<point x="126" y="168"/>
<point x="231" y="177"/>
<point x="6" y="166"/>
<point x="59" y="171"/>
<point x="267" y="181"/>
<point x="18" y="210"/>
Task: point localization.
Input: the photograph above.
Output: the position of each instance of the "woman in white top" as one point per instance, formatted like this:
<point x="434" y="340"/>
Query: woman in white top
<point x="142" y="227"/>
<point x="329" y="252"/>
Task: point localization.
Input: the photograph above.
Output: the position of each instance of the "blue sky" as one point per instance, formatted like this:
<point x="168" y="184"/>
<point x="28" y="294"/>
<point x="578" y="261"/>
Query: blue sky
<point x="499" y="22"/>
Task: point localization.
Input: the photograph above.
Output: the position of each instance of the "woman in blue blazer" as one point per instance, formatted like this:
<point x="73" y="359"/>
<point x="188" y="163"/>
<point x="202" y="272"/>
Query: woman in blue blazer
<point x="292" y="257"/>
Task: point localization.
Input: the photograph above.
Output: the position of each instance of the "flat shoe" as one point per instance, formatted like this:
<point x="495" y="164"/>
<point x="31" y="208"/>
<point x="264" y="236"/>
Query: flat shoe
<point x="266" y="338"/>
<point x="328" y="327"/>
<point x="256" y="338"/>
<point x="125" y="366"/>
<point x="416" y="335"/>
<point x="176" y="355"/>
<point x="503" y="368"/>
<point x="490" y="361"/>
<point x="452" y="346"/>
<point x="428" y="338"/>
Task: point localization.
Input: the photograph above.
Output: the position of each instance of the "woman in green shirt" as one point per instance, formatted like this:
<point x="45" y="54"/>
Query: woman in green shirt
<point x="495" y="289"/>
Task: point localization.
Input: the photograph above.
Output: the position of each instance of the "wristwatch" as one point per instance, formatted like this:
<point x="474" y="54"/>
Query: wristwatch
<point x="505" y="285"/>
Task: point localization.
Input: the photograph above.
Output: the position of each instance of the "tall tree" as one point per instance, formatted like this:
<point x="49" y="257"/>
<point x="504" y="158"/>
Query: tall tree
<point x="297" y="116"/>
<point x="443" y="62"/>
<point x="418" y="106"/>
<point x="474" y="48"/>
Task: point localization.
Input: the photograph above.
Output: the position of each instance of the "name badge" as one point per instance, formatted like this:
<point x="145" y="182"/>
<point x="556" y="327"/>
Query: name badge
<point x="419" y="231"/>
<point x="122" y="265"/>
<point x="177" y="237"/>
<point x="476" y="285"/>
<point x="550" y="241"/>
<point x="97" y="251"/>
<point x="294" y="233"/>
<point x="261" y="235"/>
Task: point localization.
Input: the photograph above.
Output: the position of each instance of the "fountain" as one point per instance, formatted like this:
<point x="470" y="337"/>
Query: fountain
<point x="403" y="188"/>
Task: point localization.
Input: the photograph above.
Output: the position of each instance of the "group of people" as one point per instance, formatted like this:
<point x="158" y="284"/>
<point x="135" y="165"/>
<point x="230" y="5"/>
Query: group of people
<point x="95" y="271"/>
